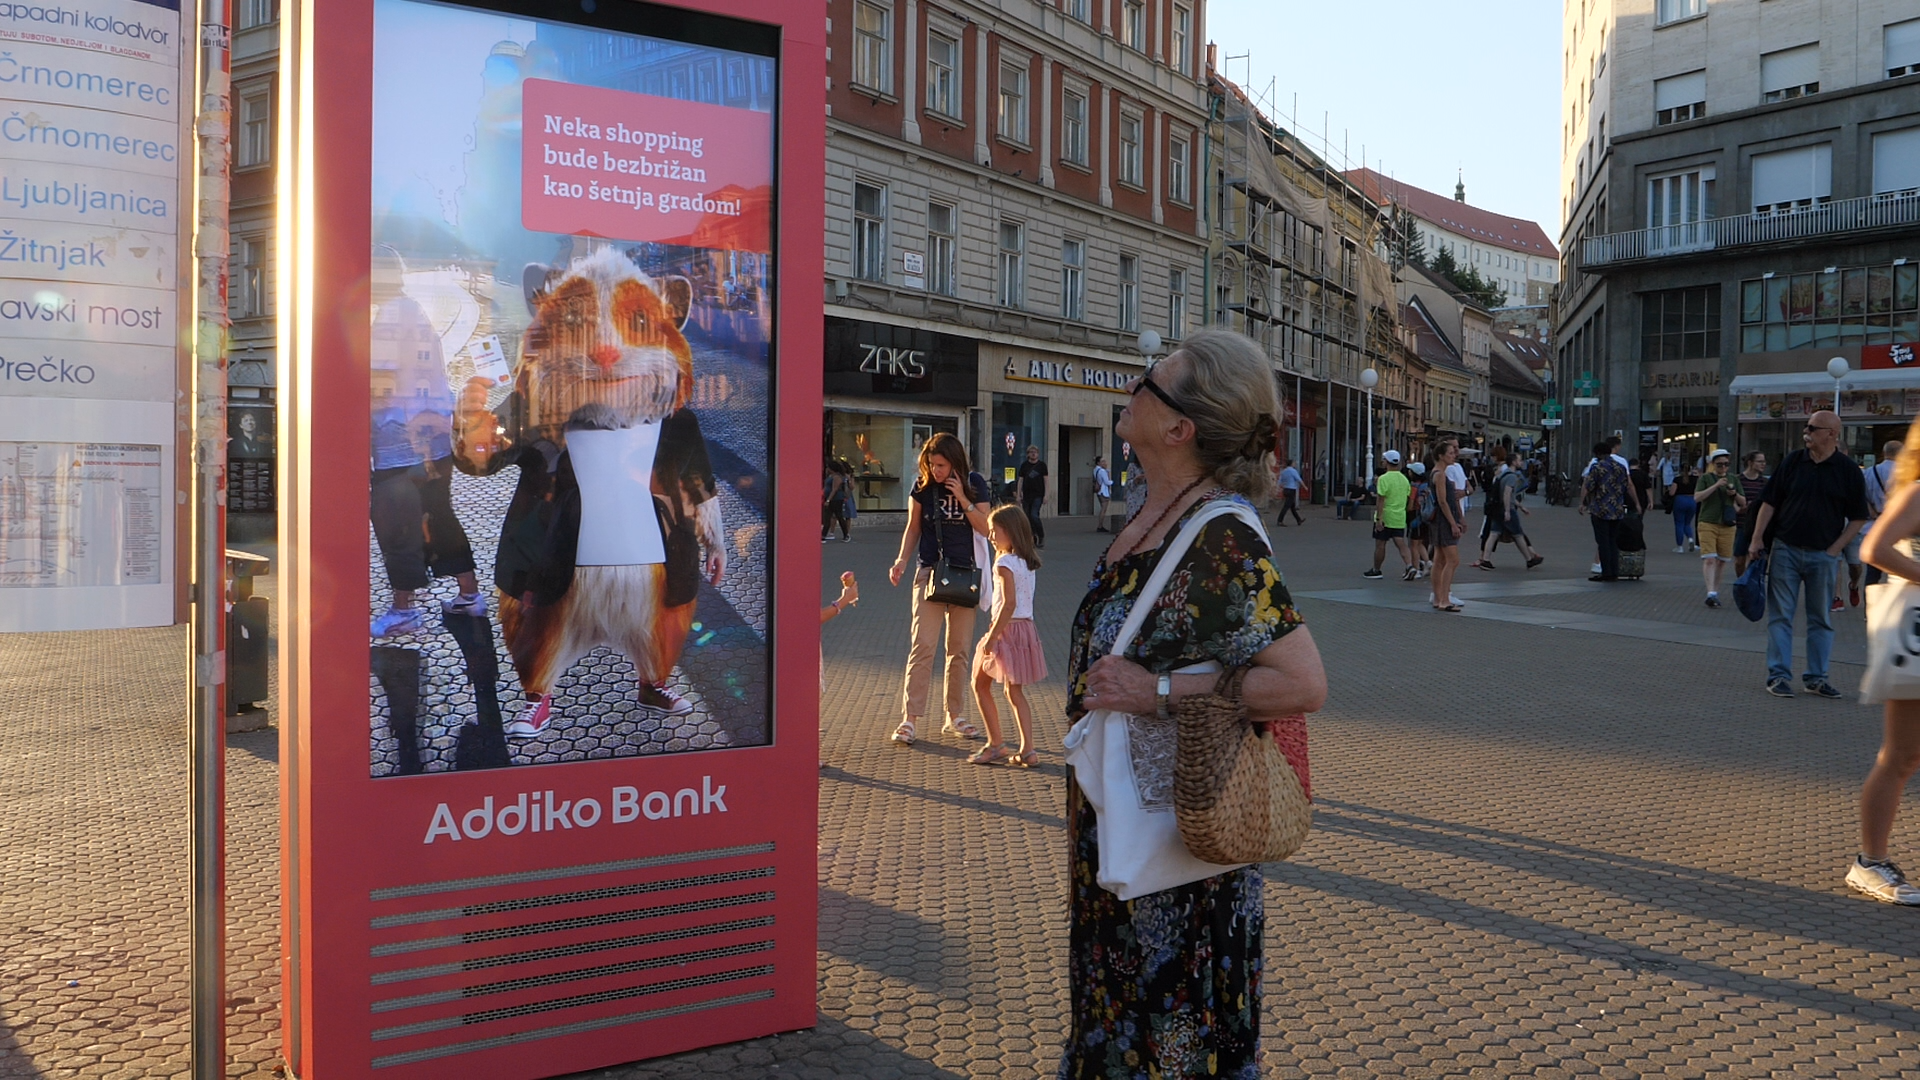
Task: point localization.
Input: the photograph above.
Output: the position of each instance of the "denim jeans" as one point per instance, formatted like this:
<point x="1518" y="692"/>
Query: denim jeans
<point x="1792" y="570"/>
<point x="1683" y="511"/>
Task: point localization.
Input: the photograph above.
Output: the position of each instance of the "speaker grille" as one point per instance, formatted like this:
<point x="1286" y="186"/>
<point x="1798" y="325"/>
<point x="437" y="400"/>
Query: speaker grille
<point x="696" y="937"/>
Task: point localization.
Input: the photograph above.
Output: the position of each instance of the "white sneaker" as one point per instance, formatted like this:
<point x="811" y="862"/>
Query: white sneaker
<point x="1597" y="569"/>
<point x="532" y="721"/>
<point x="462" y="604"/>
<point x="1455" y="601"/>
<point x="1882" y="881"/>
<point x="398" y="622"/>
<point x="1681" y="550"/>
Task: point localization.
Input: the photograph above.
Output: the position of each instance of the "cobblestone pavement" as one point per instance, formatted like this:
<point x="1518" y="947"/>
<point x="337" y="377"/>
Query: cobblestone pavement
<point x="1538" y="851"/>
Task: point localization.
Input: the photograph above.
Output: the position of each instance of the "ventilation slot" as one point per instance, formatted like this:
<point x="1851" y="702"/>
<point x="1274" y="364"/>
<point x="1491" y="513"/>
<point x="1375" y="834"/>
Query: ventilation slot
<point x="708" y="933"/>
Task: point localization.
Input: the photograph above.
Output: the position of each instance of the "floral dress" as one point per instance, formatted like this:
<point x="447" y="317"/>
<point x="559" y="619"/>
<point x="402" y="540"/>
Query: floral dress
<point x="1168" y="985"/>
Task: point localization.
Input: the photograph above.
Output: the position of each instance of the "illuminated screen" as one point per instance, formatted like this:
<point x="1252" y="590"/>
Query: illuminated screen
<point x="571" y="317"/>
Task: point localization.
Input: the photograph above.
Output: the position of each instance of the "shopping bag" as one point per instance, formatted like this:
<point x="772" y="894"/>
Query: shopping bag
<point x="1893" y="643"/>
<point x="1124" y="764"/>
<point x="1750" y="590"/>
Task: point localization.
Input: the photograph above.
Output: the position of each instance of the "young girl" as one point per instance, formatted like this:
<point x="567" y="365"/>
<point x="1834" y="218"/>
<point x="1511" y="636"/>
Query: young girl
<point x="1010" y="653"/>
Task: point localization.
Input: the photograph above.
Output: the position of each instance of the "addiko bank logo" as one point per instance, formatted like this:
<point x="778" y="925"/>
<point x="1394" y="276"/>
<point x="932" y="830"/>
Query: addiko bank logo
<point x="56" y="16"/>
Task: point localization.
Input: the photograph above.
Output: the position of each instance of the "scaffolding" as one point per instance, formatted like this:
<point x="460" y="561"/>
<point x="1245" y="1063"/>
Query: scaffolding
<point x="1296" y="264"/>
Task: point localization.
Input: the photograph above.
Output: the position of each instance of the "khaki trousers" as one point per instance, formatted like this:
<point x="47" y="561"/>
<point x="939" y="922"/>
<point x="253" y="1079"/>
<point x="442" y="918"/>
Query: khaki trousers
<point x="931" y="622"/>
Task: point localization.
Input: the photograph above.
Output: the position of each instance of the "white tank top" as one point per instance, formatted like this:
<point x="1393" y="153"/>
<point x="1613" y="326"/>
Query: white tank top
<point x="1022" y="584"/>
<point x="614" y="469"/>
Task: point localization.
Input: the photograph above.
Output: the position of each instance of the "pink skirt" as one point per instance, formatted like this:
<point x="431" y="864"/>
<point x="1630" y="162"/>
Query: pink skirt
<point x="1016" y="660"/>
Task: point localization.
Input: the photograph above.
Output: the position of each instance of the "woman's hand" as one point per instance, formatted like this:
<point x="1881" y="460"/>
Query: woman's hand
<point x="1113" y="683"/>
<point x="957" y="484"/>
<point x="899" y="567"/>
<point x="849" y="588"/>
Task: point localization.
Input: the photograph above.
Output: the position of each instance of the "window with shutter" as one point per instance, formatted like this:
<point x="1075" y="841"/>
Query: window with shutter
<point x="1896" y="163"/>
<point x="1790" y="73"/>
<point x="1902" y="49"/>
<point x="1790" y="180"/>
<point x="1680" y="97"/>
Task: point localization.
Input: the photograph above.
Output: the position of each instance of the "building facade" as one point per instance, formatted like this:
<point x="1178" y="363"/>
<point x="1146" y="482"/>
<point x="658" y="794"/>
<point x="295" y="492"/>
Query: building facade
<point x="1011" y="202"/>
<point x="1295" y="262"/>
<point x="1512" y="253"/>
<point x="1742" y="205"/>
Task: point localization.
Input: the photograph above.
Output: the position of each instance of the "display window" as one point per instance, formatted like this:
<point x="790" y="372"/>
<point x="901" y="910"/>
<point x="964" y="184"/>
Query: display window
<point x="571" y="374"/>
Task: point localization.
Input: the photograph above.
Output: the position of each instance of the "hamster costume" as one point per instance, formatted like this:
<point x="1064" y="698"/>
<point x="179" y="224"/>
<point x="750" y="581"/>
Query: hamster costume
<point x="601" y="544"/>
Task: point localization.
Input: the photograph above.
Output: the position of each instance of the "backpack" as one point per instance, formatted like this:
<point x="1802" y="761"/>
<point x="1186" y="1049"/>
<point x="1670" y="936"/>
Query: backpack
<point x="1423" y="496"/>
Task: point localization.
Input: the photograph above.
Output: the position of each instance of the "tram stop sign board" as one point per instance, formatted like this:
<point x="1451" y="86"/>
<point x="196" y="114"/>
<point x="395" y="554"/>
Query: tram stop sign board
<point x="571" y="822"/>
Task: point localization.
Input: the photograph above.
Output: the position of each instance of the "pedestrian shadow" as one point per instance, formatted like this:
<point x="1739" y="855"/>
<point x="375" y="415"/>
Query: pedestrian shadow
<point x="964" y="802"/>
<point x="894" y="943"/>
<point x="263" y="744"/>
<point x="1838" y="921"/>
<point x="15" y="1064"/>
<point x="829" y="1048"/>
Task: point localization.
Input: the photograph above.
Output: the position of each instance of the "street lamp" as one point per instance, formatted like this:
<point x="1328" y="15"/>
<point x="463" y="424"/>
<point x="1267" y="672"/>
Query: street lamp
<point x="1148" y="343"/>
<point x="1837" y="367"/>
<point x="1369" y="379"/>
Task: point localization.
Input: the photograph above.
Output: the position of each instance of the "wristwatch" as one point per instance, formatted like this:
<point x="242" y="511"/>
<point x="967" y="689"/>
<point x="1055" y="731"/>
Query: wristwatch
<point x="1162" y="689"/>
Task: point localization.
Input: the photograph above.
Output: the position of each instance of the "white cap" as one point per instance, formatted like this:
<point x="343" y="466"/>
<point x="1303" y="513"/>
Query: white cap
<point x="1723" y="452"/>
<point x="1419" y="468"/>
<point x="1392" y="456"/>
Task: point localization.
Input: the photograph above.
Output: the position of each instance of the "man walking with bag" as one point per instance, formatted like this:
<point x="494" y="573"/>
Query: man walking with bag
<point x="1812" y="509"/>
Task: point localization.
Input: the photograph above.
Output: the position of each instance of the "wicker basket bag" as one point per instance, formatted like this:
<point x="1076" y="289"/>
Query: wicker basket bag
<point x="1236" y="796"/>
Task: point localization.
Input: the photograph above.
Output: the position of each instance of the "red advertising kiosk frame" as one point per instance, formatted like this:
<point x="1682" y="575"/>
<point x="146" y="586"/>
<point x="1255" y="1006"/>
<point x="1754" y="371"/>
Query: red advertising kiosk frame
<point x="611" y="935"/>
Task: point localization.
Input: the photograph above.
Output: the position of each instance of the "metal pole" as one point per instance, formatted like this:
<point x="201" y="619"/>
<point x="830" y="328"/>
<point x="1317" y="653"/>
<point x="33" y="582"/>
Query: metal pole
<point x="1369" y="439"/>
<point x="206" y="738"/>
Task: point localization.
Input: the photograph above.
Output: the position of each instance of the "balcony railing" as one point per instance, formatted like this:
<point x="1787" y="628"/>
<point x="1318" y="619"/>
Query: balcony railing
<point x="1714" y="234"/>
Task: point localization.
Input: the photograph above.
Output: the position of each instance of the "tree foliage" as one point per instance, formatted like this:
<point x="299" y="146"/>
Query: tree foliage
<point x="1406" y="245"/>
<point x="1467" y="280"/>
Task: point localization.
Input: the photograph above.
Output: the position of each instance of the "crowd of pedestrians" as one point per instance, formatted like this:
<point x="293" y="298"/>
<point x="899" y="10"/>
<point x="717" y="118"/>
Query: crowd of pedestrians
<point x="1202" y="428"/>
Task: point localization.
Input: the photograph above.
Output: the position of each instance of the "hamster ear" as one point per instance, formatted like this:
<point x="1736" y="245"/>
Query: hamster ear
<point x="533" y="282"/>
<point x="677" y="294"/>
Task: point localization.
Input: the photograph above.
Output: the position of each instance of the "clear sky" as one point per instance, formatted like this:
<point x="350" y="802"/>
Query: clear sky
<point x="1428" y="86"/>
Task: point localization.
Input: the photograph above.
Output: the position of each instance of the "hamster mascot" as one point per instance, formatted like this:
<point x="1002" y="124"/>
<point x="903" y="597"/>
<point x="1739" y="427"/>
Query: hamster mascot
<point x="602" y="542"/>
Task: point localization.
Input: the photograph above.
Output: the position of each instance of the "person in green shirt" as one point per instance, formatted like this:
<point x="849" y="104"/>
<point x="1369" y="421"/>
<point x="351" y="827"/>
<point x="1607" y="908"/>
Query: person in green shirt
<point x="1390" y="515"/>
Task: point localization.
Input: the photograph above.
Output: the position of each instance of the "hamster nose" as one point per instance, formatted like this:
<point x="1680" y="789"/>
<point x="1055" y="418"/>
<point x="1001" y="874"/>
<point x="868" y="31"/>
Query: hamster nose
<point x="604" y="355"/>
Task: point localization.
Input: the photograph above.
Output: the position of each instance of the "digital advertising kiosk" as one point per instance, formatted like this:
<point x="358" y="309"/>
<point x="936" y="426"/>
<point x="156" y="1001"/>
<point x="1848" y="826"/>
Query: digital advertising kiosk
<point x="551" y="323"/>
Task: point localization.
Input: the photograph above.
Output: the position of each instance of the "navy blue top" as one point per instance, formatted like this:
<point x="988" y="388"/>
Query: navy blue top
<point x="943" y="523"/>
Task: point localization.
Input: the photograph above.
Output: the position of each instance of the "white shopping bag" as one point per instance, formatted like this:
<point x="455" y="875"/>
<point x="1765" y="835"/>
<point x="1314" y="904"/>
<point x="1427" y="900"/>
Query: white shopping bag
<point x="1893" y="643"/>
<point x="1124" y="763"/>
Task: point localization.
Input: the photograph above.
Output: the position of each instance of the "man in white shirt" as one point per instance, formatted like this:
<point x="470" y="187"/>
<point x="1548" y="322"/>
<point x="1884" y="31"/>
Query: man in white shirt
<point x="1878" y="478"/>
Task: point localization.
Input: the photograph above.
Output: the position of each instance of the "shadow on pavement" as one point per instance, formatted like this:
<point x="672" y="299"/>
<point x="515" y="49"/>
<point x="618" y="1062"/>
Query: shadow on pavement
<point x="965" y="802"/>
<point x="895" y="943"/>
<point x="1596" y="948"/>
<point x="829" y="1050"/>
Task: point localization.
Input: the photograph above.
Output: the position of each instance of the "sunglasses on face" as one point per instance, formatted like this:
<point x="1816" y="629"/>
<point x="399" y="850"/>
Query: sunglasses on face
<point x="1144" y="381"/>
<point x="1811" y="428"/>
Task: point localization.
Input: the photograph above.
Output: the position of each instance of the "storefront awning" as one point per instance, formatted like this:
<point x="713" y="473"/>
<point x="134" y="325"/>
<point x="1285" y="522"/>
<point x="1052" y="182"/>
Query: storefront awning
<point x="1819" y="382"/>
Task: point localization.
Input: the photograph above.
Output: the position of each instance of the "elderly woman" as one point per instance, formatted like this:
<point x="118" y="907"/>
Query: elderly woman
<point x="1168" y="984"/>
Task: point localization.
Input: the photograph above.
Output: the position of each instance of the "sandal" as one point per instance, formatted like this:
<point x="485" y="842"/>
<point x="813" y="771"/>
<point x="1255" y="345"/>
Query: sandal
<point x="990" y="755"/>
<point x="961" y="726"/>
<point x="1025" y="759"/>
<point x="1450" y="607"/>
<point x="904" y="734"/>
